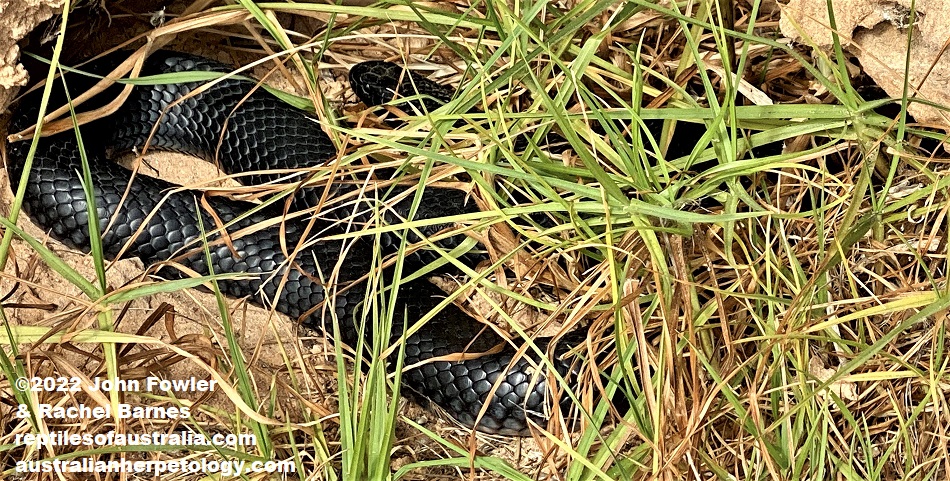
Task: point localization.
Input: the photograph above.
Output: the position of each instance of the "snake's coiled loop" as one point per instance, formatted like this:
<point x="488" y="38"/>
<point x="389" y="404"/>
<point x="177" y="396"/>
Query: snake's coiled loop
<point x="244" y="128"/>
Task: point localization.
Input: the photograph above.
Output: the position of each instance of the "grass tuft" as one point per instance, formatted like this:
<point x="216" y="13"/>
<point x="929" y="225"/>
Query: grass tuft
<point x="756" y="250"/>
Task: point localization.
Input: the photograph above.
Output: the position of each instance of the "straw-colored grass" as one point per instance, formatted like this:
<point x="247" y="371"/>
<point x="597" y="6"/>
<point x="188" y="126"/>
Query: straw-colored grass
<point x="762" y="312"/>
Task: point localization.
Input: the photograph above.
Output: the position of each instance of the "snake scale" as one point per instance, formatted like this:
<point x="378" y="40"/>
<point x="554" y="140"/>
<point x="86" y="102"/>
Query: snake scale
<point x="244" y="129"/>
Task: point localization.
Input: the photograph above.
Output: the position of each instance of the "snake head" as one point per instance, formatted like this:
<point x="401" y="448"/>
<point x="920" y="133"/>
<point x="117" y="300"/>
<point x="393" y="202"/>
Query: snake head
<point x="377" y="82"/>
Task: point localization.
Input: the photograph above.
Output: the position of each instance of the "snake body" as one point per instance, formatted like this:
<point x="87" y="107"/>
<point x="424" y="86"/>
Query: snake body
<point x="244" y="128"/>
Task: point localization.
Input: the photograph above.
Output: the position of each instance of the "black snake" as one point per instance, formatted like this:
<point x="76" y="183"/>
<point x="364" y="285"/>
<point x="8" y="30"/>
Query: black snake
<point x="246" y="129"/>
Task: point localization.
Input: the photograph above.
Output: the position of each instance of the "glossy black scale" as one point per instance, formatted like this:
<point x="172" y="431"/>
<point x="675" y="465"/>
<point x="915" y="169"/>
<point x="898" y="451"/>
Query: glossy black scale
<point x="244" y="129"/>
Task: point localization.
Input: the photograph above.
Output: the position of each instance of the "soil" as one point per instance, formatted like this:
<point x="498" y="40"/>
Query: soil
<point x="876" y="33"/>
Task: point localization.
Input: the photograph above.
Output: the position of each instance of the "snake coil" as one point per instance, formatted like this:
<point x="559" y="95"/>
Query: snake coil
<point x="245" y="129"/>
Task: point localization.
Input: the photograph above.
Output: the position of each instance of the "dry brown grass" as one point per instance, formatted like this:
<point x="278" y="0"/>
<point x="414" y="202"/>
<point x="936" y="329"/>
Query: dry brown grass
<point x="768" y="315"/>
